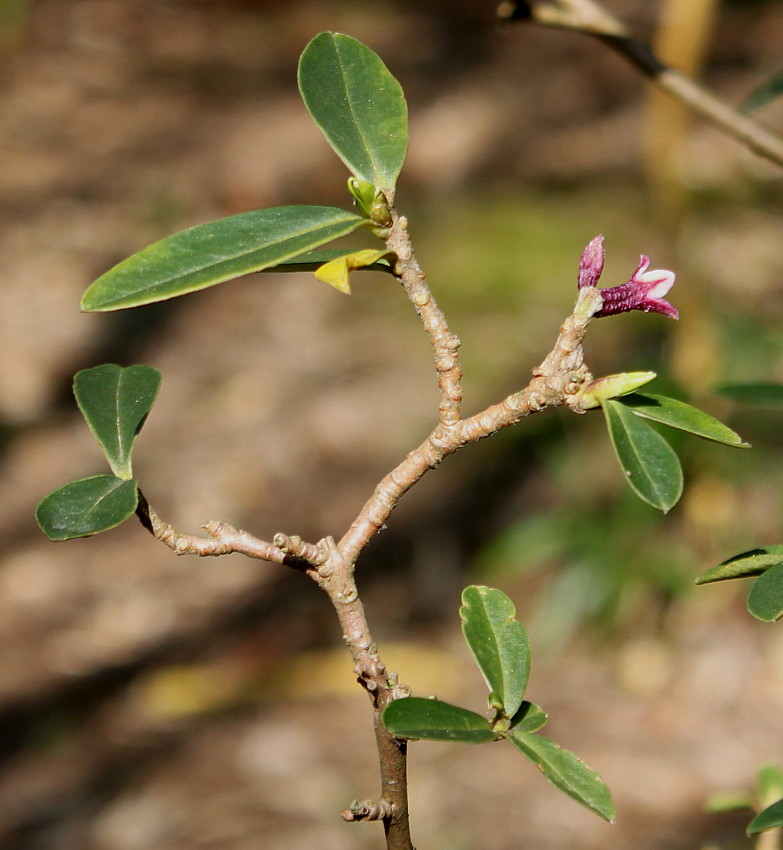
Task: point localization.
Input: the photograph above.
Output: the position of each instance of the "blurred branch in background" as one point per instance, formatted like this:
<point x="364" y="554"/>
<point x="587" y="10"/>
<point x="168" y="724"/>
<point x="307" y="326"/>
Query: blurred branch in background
<point x="588" y="17"/>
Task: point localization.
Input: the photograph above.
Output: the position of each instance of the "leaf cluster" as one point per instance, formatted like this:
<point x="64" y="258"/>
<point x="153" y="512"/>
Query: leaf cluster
<point x="500" y="647"/>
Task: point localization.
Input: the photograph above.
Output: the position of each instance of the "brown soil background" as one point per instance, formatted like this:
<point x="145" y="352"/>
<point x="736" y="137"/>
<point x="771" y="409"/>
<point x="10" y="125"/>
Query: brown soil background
<point x="154" y="703"/>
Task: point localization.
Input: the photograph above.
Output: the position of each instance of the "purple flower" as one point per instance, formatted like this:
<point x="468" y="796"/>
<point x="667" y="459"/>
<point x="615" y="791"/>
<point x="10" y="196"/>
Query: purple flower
<point x="644" y="291"/>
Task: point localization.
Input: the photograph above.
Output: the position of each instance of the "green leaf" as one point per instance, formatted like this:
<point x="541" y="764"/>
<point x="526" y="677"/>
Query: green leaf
<point x="433" y="720"/>
<point x="498" y="643"/>
<point x="337" y="272"/>
<point x="566" y="772"/>
<point x="309" y="261"/>
<point x="115" y="402"/>
<point x="751" y="563"/>
<point x="765" y="600"/>
<point x="760" y="392"/>
<point x="529" y="718"/>
<point x="770" y="818"/>
<point x="213" y="253"/>
<point x="762" y="95"/>
<point x="358" y="106"/>
<point x="685" y="417"/>
<point x="651" y="467"/>
<point x="86" y="507"/>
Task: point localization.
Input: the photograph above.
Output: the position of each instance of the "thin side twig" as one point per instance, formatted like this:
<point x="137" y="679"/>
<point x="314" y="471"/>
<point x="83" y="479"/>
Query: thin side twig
<point x="588" y="17"/>
<point x="445" y="344"/>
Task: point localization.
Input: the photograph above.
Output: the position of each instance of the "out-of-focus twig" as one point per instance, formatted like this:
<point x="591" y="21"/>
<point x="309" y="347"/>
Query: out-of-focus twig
<point x="590" y="18"/>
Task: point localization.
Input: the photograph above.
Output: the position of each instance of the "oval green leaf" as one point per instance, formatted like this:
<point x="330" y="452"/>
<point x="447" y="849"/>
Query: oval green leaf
<point x="498" y="642"/>
<point x="566" y="772"/>
<point x="770" y="818"/>
<point x="433" y="720"/>
<point x="761" y="393"/>
<point x="216" y="252"/>
<point x="358" y="106"/>
<point x="651" y="467"/>
<point x="752" y="563"/>
<point x="529" y="718"/>
<point x="765" y="600"/>
<point x="86" y="507"/>
<point x="115" y="402"/>
<point x="685" y="417"/>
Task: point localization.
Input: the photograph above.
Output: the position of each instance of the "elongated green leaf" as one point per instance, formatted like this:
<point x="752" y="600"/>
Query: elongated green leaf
<point x="213" y="253"/>
<point x="86" y="507"/>
<point x="760" y="392"/>
<point x="433" y="720"/>
<point x="312" y="260"/>
<point x="765" y="600"/>
<point x="498" y="643"/>
<point x="770" y="818"/>
<point x="685" y="417"/>
<point x="358" y="106"/>
<point x="751" y="563"/>
<point x="115" y="402"/>
<point x="566" y="772"/>
<point x="529" y="718"/>
<point x="648" y="461"/>
<point x="766" y="92"/>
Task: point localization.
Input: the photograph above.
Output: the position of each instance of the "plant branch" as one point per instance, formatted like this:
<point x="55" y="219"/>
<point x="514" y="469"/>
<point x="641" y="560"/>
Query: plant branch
<point x="590" y="18"/>
<point x="445" y="344"/>
<point x="336" y="577"/>
<point x="555" y="382"/>
<point x="223" y="539"/>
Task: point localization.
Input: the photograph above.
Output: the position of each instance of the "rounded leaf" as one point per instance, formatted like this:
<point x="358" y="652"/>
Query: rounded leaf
<point x="765" y="600"/>
<point x="115" y="402"/>
<point x="651" y="467"/>
<point x="566" y="772"/>
<point x="358" y="106"/>
<point x="86" y="507"/>
<point x="216" y="252"/>
<point x="498" y="642"/>
<point x="433" y="720"/>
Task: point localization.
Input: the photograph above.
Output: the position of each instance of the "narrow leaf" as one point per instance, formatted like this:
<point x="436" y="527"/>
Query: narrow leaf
<point x="566" y="772"/>
<point x="765" y="93"/>
<point x="337" y="272"/>
<point x="213" y="253"/>
<point x="433" y="720"/>
<point x="685" y="417"/>
<point x="761" y="393"/>
<point x="86" y="507"/>
<point x="115" y="402"/>
<point x="765" y="600"/>
<point x="529" y="718"/>
<point x="498" y="642"/>
<point x="651" y="467"/>
<point x="770" y="818"/>
<point x="751" y="563"/>
<point x="358" y="106"/>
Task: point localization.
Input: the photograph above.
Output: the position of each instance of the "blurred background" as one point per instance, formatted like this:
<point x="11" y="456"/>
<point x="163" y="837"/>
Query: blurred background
<point x="148" y="701"/>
